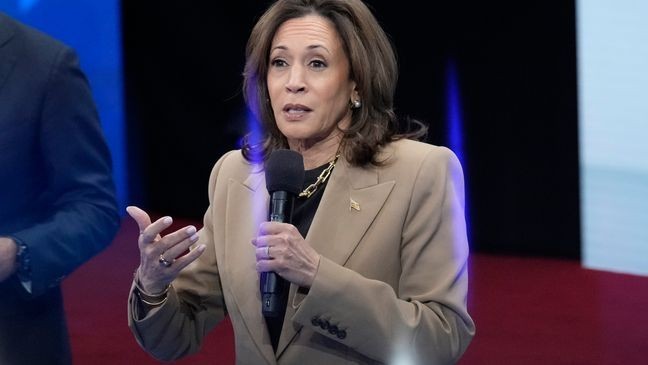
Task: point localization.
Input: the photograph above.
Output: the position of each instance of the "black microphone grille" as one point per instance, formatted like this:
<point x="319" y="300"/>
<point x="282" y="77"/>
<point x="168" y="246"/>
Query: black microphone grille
<point x="284" y="171"/>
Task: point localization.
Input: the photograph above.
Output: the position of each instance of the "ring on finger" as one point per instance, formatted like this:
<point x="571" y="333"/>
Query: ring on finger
<point x="268" y="252"/>
<point x="164" y="262"/>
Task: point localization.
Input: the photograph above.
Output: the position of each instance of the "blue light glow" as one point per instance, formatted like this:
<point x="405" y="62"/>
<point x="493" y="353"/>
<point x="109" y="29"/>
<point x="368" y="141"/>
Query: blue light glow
<point x="455" y="133"/>
<point x="454" y="121"/>
<point x="254" y="134"/>
<point x="26" y="5"/>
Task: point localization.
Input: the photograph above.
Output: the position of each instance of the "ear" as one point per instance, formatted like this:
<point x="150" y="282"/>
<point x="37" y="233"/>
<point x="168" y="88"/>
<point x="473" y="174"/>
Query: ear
<point x="355" y="95"/>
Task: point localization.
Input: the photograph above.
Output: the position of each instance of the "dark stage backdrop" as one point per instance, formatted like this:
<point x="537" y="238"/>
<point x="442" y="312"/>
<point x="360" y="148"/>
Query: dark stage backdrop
<point x="516" y="77"/>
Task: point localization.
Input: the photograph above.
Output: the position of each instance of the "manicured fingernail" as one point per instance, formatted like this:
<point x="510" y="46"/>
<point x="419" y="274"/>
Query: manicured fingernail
<point x="194" y="237"/>
<point x="202" y="248"/>
<point x="167" y="220"/>
<point x="191" y="230"/>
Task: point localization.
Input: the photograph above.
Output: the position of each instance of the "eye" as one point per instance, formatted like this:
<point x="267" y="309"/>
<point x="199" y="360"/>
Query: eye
<point x="317" y="64"/>
<point x="278" y="62"/>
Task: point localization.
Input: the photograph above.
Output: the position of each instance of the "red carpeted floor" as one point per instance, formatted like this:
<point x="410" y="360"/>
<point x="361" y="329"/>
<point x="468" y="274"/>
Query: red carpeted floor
<point x="527" y="310"/>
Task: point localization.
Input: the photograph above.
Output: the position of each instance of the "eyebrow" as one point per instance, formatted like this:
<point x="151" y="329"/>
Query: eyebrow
<point x="311" y="47"/>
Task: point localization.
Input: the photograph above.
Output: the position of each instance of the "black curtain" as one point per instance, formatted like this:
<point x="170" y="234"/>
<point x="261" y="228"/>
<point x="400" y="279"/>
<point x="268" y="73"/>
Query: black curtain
<point x="516" y="68"/>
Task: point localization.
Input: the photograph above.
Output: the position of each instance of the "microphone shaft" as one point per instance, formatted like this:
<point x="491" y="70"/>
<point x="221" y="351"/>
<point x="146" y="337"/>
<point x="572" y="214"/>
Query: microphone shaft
<point x="272" y="285"/>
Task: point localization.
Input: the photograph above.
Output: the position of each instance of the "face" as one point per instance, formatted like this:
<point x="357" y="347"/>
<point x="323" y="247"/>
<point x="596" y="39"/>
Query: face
<point x="308" y="81"/>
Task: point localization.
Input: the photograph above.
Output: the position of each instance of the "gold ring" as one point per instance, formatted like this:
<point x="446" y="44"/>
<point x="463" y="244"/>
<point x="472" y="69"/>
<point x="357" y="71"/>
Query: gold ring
<point x="268" y="252"/>
<point x="165" y="262"/>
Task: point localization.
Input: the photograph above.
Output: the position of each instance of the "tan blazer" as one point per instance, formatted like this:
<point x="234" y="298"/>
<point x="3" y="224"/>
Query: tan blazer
<point x="392" y="281"/>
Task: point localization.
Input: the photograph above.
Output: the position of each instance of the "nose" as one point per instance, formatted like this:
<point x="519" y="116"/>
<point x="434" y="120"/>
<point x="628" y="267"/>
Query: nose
<point x="296" y="83"/>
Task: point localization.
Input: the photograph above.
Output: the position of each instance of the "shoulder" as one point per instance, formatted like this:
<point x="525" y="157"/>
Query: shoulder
<point x="422" y="170"/>
<point x="36" y="60"/>
<point x="232" y="165"/>
<point x="233" y="162"/>
<point x="408" y="156"/>
<point x="28" y="41"/>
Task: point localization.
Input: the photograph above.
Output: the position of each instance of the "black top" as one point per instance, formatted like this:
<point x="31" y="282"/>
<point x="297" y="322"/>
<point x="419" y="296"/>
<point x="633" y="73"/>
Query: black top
<point x="303" y="213"/>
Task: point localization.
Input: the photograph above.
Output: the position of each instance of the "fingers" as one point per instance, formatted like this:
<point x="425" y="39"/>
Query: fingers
<point x="267" y="252"/>
<point x="277" y="234"/>
<point x="270" y="228"/>
<point x="141" y="217"/>
<point x="261" y="241"/>
<point x="269" y="265"/>
<point x="160" y="267"/>
<point x="268" y="257"/>
<point x="182" y="262"/>
<point x="151" y="233"/>
<point x="265" y="244"/>
<point x="174" y="244"/>
<point x="154" y="272"/>
<point x="282" y="249"/>
<point x="154" y="276"/>
<point x="171" y="246"/>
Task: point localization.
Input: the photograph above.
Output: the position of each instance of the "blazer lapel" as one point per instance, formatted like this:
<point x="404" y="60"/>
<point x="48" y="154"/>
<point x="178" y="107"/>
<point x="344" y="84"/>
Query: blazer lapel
<point x="349" y="205"/>
<point x="247" y="207"/>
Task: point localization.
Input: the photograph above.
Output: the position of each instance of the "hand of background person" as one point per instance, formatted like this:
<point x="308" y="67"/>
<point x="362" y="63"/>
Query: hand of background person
<point x="153" y="275"/>
<point x="8" y="251"/>
<point x="289" y="255"/>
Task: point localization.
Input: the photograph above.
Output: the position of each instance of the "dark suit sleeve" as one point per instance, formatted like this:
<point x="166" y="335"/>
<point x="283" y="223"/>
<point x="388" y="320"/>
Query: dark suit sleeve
<point x="81" y="213"/>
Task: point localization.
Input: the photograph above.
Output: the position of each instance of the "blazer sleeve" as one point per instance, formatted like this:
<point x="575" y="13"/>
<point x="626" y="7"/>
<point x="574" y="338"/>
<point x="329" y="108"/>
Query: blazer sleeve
<point x="195" y="301"/>
<point x="81" y="214"/>
<point x="424" y="320"/>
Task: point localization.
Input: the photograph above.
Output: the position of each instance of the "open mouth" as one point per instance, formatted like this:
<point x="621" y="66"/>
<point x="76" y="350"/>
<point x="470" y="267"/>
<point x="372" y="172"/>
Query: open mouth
<point x="296" y="109"/>
<point x="295" y="112"/>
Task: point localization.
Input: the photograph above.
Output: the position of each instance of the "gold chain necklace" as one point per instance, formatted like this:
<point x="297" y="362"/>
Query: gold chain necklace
<point x="321" y="179"/>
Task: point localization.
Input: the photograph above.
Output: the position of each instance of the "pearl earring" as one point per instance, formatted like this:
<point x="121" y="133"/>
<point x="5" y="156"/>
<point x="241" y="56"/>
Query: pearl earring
<point x="356" y="104"/>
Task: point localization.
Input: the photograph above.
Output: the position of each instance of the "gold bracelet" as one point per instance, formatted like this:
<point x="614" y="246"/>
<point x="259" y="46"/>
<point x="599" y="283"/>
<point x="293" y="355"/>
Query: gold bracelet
<point x="152" y="304"/>
<point x="153" y="299"/>
<point x="141" y="291"/>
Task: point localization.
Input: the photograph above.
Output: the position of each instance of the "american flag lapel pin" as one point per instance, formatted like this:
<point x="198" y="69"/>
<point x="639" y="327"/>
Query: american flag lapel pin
<point x="354" y="205"/>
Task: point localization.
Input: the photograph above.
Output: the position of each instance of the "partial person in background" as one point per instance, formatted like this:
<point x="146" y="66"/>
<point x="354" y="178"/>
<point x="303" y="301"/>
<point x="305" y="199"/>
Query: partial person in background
<point x="57" y="198"/>
<point x="376" y="253"/>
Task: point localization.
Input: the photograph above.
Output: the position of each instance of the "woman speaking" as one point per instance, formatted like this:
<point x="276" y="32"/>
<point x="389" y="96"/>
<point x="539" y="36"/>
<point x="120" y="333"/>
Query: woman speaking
<point x="374" y="257"/>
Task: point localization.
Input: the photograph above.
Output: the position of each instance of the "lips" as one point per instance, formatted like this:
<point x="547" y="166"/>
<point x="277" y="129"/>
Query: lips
<point x="296" y="108"/>
<point x="295" y="112"/>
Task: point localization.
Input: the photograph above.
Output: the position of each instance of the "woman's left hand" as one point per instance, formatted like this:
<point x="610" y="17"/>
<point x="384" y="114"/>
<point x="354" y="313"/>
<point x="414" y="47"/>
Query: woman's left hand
<point x="281" y="248"/>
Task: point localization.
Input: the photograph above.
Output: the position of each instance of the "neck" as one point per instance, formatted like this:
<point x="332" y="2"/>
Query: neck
<point x="317" y="153"/>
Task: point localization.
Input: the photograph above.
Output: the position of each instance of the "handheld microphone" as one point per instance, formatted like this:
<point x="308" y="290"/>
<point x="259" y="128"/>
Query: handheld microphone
<point x="284" y="173"/>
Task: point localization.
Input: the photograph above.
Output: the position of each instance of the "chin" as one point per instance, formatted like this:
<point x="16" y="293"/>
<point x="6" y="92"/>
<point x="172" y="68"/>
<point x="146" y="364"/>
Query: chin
<point x="296" y="132"/>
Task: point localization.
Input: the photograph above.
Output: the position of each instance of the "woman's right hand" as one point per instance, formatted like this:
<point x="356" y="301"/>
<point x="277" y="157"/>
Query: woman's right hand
<point x="160" y="256"/>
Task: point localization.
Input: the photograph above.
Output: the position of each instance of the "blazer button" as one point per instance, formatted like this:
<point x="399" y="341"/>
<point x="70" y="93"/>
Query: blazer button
<point x="341" y="334"/>
<point x="315" y="321"/>
<point x="324" y="324"/>
<point x="333" y="330"/>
